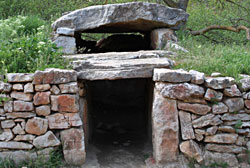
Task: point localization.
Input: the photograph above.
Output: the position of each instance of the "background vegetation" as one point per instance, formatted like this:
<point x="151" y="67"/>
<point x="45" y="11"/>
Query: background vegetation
<point x="25" y="44"/>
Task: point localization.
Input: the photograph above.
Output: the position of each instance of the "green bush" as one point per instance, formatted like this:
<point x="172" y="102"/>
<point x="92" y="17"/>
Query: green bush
<point x="25" y="46"/>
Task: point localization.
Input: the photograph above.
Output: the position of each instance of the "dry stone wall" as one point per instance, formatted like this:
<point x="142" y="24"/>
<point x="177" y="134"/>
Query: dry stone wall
<point x="41" y="111"/>
<point x="205" y="118"/>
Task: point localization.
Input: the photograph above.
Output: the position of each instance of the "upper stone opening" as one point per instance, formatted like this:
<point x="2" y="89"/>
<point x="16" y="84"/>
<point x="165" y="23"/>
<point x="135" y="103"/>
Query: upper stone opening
<point x="122" y="18"/>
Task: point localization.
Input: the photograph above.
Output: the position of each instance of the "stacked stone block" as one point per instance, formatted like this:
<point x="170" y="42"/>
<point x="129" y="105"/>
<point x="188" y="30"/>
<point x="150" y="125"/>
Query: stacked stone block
<point x="41" y="111"/>
<point x="213" y="114"/>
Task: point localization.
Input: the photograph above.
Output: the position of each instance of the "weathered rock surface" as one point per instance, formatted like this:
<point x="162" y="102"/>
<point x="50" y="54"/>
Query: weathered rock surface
<point x="19" y="77"/>
<point x="115" y="18"/>
<point x="23" y="106"/>
<point x="222" y="138"/>
<point x="73" y="119"/>
<point x="42" y="98"/>
<point x="46" y="140"/>
<point x="5" y="87"/>
<point x="236" y="117"/>
<point x="165" y="129"/>
<point x="28" y="88"/>
<point x="215" y="157"/>
<point x="37" y="126"/>
<point x="169" y="75"/>
<point x="182" y="91"/>
<point x="15" y="145"/>
<point x="234" y="104"/>
<point x="21" y="96"/>
<point x="42" y="88"/>
<point x="18" y="156"/>
<point x="7" y="124"/>
<point x="232" y="91"/>
<point x="67" y="43"/>
<point x="192" y="150"/>
<point x="58" y="121"/>
<point x="65" y="103"/>
<point x="18" y="130"/>
<point x="73" y="146"/>
<point x="55" y="90"/>
<point x="43" y="110"/>
<point x="247" y="103"/>
<point x="119" y="65"/>
<point x="228" y="129"/>
<point x="212" y="95"/>
<point x="224" y="148"/>
<point x="159" y="37"/>
<point x="15" y="115"/>
<point x="194" y="108"/>
<point x="26" y="137"/>
<point x="245" y="83"/>
<point x="219" y="108"/>
<point x="65" y="31"/>
<point x="17" y="87"/>
<point x="54" y="76"/>
<point x="187" y="131"/>
<point x="6" y="135"/>
<point x="219" y="82"/>
<point x="211" y="130"/>
<point x="197" y="77"/>
<point x="203" y="121"/>
<point x="69" y="87"/>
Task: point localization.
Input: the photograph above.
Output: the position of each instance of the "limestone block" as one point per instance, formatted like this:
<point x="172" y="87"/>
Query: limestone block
<point x="21" y="96"/>
<point x="192" y="150"/>
<point x="232" y="91"/>
<point x="37" y="126"/>
<point x="42" y="88"/>
<point x="65" y="31"/>
<point x="23" y="106"/>
<point x="219" y="108"/>
<point x="65" y="103"/>
<point x="43" y="110"/>
<point x="46" y="140"/>
<point x="224" y="148"/>
<point x="73" y="146"/>
<point x="245" y="83"/>
<point x="187" y="131"/>
<point x="169" y="75"/>
<point x="234" y="104"/>
<point x="55" y="90"/>
<point x="19" y="77"/>
<point x="7" y="124"/>
<point x="5" y="87"/>
<point x="54" y="76"/>
<point x="42" y="98"/>
<point x="28" y="88"/>
<point x="6" y="135"/>
<point x="67" y="43"/>
<point x="199" y="109"/>
<point x="26" y="137"/>
<point x="58" y="121"/>
<point x="18" y="156"/>
<point x="222" y="138"/>
<point x="18" y="130"/>
<point x="236" y="117"/>
<point x="165" y="129"/>
<point x="69" y="87"/>
<point x="15" y="145"/>
<point x="212" y="95"/>
<point x="247" y="104"/>
<point x="18" y="87"/>
<point x="197" y="77"/>
<point x="8" y="106"/>
<point x="203" y="121"/>
<point x="15" y="115"/>
<point x="182" y="91"/>
<point x="219" y="82"/>
<point x="159" y="38"/>
<point x="215" y="157"/>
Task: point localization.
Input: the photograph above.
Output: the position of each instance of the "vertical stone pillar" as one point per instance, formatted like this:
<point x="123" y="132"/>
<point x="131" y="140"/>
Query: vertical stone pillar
<point x="165" y="129"/>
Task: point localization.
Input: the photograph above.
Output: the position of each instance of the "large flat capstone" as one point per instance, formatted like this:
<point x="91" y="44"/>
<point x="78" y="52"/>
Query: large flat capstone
<point x="125" y="17"/>
<point x="119" y="65"/>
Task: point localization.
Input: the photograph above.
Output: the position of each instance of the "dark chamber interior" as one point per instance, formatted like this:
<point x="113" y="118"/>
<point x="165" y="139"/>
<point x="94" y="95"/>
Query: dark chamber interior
<point x="120" y="111"/>
<point x="112" y="43"/>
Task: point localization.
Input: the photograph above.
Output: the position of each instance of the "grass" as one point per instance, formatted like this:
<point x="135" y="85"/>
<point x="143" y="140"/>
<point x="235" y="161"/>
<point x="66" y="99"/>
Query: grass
<point x="55" y="160"/>
<point x="229" y="60"/>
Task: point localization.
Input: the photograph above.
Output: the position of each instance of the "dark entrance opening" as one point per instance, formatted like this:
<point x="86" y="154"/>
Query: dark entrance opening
<point x="120" y="116"/>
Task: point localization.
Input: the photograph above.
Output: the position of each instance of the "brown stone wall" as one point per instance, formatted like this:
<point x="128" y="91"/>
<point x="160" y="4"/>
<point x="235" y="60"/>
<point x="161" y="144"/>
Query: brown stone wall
<point x="213" y="113"/>
<point x="41" y="111"/>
